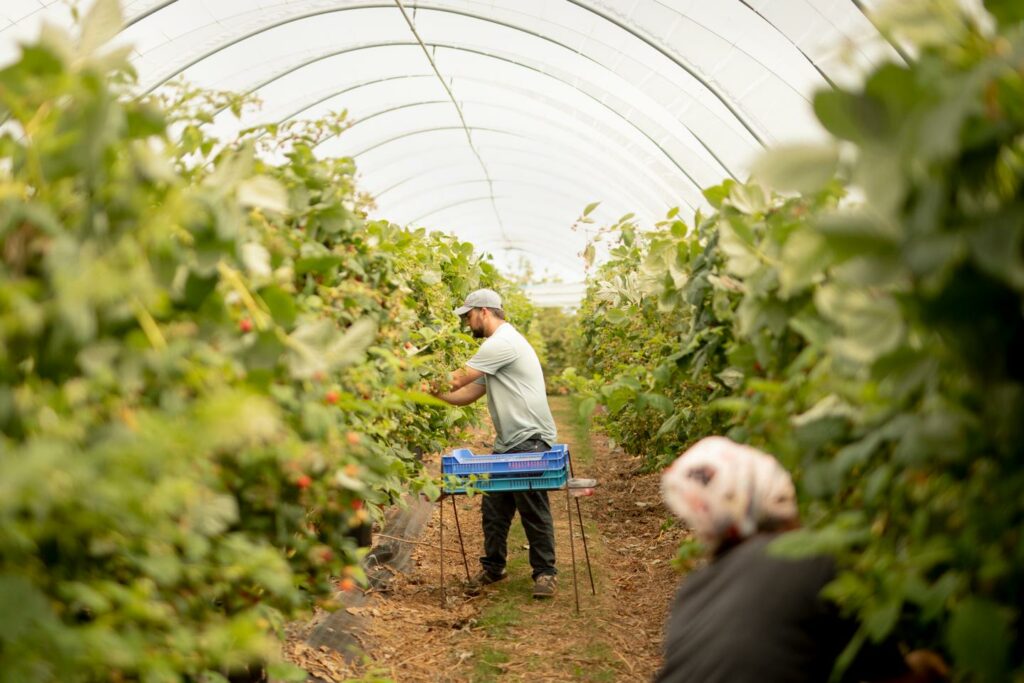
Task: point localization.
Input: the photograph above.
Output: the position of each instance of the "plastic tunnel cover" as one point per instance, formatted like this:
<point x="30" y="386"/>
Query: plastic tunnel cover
<point x="542" y="106"/>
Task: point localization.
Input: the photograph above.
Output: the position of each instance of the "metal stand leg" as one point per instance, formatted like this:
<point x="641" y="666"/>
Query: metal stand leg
<point x="572" y="548"/>
<point x="458" y="528"/>
<point x="444" y="601"/>
<point x="586" y="552"/>
<point x="583" y="531"/>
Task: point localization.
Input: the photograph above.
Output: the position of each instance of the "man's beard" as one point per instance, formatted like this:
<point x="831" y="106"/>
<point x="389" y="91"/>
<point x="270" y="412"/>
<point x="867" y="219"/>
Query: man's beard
<point x="477" y="333"/>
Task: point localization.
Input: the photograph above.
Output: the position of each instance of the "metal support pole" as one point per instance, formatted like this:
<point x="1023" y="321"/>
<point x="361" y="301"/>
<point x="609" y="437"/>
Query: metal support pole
<point x="586" y="552"/>
<point x="583" y="531"/>
<point x="444" y="601"/>
<point x="572" y="547"/>
<point x="458" y="528"/>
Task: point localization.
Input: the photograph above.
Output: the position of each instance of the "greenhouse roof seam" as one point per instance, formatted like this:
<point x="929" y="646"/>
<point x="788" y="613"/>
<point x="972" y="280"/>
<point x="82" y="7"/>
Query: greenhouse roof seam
<point x="458" y="109"/>
<point x="408" y="105"/>
<point x="536" y="170"/>
<point x="889" y="39"/>
<point x="484" y="53"/>
<point x="630" y="198"/>
<point x="510" y="181"/>
<point x="814" y="65"/>
<point x="454" y="204"/>
<point x="566" y="181"/>
<point x="721" y="97"/>
<point x="344" y="90"/>
<point x="410" y="133"/>
<point x="148" y="13"/>
<point x="502" y="131"/>
<point x="746" y="4"/>
<point x="353" y="48"/>
<point x="633" y="197"/>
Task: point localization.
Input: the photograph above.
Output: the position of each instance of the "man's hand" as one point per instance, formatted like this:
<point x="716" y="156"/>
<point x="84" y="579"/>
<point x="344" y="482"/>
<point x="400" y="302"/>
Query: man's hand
<point x="924" y="666"/>
<point x="927" y="665"/>
<point x="465" y="395"/>
<point x="460" y="389"/>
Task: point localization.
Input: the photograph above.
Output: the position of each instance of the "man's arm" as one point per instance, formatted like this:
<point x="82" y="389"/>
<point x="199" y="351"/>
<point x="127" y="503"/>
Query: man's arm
<point x="464" y="376"/>
<point x="465" y="395"/>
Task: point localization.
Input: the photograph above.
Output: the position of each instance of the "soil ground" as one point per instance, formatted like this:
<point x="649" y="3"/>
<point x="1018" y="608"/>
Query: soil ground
<point x="408" y="635"/>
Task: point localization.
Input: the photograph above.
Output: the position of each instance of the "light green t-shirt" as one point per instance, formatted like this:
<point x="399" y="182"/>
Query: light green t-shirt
<point x="516" y="397"/>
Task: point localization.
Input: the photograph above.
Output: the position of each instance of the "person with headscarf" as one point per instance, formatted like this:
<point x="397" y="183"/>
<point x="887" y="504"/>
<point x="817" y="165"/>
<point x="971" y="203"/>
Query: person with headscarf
<point x="748" y="615"/>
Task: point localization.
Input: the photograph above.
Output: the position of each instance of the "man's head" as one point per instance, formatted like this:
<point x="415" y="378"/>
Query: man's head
<point x="482" y="312"/>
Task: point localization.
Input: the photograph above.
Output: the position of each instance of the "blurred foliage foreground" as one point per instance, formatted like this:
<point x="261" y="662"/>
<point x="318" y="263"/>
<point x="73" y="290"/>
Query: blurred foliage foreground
<point x="873" y="340"/>
<point x="209" y="371"/>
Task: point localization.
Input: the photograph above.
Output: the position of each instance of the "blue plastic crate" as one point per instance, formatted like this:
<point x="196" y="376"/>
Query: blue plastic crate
<point x="554" y="479"/>
<point x="462" y="461"/>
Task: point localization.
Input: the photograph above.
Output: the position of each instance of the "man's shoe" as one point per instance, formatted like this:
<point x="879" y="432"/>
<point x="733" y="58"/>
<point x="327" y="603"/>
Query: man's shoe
<point x="484" y="578"/>
<point x="544" y="586"/>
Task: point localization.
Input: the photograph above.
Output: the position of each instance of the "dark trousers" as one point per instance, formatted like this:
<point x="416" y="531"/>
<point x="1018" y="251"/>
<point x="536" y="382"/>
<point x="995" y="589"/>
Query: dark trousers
<point x="498" y="509"/>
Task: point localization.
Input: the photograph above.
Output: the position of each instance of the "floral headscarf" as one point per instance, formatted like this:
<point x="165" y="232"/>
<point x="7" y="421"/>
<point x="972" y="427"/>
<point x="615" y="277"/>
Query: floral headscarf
<point x="724" y="490"/>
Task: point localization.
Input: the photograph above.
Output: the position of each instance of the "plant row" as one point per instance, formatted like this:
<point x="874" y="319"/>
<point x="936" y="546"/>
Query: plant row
<point x="210" y="372"/>
<point x="867" y="327"/>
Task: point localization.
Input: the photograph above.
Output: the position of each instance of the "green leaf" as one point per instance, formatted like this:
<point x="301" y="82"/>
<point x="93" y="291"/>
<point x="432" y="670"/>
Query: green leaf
<point x="319" y="347"/>
<point x="214" y="677"/>
<point x="103" y="21"/>
<point x="616" y="316"/>
<point x="285" y="672"/>
<point x="430" y="277"/>
<point x="657" y="401"/>
<point x="797" y="168"/>
<point x="741" y="259"/>
<point x="586" y="408"/>
<point x="256" y="259"/>
<point x="805" y="257"/>
<point x="731" y="378"/>
<point x="848" y="116"/>
<point x="22" y="605"/>
<point x="263" y="192"/>
<point x="999" y="249"/>
<point x="858" y="233"/>
<point x="879" y="171"/>
<point x="670" y="424"/>
<point x="281" y="304"/>
<point x="590" y="208"/>
<point x="719" y="193"/>
<point x="588" y="254"/>
<point x="1006" y="12"/>
<point x="979" y="638"/>
<point x="316" y="258"/>
<point x="418" y="397"/>
<point x="871" y="322"/>
<point x="879" y="618"/>
<point x="750" y="199"/>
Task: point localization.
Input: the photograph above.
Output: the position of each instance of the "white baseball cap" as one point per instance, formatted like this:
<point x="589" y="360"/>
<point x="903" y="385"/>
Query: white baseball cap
<point x="481" y="298"/>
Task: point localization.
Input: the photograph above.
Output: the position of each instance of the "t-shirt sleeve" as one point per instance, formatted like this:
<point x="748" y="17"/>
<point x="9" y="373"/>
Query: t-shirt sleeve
<point x="494" y="354"/>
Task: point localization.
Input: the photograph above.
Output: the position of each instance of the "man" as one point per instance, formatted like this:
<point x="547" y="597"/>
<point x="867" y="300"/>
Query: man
<point x="507" y="369"/>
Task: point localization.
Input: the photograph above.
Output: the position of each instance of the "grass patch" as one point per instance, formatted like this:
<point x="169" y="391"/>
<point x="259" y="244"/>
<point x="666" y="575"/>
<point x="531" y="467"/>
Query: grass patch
<point x="488" y="665"/>
<point x="565" y="409"/>
<point x="499" y="616"/>
<point x="503" y="608"/>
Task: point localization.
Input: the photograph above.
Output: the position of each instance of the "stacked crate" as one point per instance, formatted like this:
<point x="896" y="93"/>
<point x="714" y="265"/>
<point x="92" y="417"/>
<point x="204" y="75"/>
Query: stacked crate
<point x="506" y="472"/>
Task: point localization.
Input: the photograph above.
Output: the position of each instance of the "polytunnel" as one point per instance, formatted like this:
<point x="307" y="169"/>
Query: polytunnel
<point x="499" y="121"/>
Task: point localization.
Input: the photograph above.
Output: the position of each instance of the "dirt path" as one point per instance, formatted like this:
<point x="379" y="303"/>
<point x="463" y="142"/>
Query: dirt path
<point x="504" y="633"/>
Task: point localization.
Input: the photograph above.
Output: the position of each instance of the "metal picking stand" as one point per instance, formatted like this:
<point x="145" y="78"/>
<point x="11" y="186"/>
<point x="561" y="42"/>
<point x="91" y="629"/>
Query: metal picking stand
<point x="572" y="545"/>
